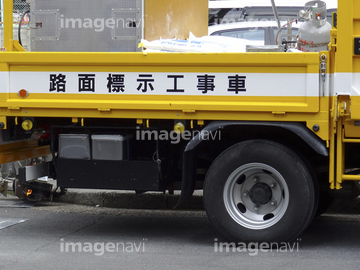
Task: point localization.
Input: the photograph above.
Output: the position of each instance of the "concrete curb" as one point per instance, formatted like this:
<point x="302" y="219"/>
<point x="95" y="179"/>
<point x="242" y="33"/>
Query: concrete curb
<point x="345" y="207"/>
<point x="157" y="200"/>
<point x="152" y="200"/>
<point x="127" y="199"/>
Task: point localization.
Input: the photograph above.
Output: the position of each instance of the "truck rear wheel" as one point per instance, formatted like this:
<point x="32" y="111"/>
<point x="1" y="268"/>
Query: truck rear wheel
<point x="259" y="191"/>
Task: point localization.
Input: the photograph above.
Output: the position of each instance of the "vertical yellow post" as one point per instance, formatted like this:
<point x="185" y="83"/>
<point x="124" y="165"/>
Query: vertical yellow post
<point x="340" y="155"/>
<point x="8" y="25"/>
<point x="333" y="139"/>
<point x="332" y="159"/>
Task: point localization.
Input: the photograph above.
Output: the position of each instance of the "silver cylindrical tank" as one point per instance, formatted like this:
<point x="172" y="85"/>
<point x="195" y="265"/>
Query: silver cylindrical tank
<point x="314" y="33"/>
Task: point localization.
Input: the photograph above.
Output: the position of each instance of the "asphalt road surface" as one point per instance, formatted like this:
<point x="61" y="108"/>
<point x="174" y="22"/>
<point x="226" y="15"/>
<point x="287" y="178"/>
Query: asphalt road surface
<point x="64" y="236"/>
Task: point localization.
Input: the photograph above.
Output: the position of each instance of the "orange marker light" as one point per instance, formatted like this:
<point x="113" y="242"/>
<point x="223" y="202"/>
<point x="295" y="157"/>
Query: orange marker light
<point x="29" y="192"/>
<point x="23" y="93"/>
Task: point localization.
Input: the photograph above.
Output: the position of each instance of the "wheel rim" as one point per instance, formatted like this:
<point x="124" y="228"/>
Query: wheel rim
<point x="256" y="196"/>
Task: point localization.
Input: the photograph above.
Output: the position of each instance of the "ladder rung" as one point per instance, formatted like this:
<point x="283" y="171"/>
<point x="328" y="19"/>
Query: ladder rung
<point x="351" y="177"/>
<point x="351" y="140"/>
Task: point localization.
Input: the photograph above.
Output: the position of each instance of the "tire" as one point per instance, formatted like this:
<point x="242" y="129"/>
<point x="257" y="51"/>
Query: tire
<point x="259" y="191"/>
<point x="325" y="202"/>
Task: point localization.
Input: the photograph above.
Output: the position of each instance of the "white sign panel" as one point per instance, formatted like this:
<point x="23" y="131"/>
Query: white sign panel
<point x="154" y="83"/>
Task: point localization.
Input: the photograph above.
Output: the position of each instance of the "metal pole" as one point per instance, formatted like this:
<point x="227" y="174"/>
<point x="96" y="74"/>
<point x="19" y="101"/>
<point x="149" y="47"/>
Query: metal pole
<point x="8" y="25"/>
<point x="276" y="13"/>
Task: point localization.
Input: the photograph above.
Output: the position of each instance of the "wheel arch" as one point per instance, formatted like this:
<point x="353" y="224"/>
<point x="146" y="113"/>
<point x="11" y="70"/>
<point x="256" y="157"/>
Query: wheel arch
<point x="189" y="164"/>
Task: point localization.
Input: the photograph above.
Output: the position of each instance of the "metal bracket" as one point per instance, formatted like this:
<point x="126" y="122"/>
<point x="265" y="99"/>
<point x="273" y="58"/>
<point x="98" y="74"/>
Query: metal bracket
<point x="323" y="59"/>
<point x="357" y="46"/>
<point x="33" y="172"/>
<point x="333" y="38"/>
<point x="344" y="107"/>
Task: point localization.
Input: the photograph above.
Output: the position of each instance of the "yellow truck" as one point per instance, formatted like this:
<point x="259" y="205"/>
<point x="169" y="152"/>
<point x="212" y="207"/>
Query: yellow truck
<point x="270" y="137"/>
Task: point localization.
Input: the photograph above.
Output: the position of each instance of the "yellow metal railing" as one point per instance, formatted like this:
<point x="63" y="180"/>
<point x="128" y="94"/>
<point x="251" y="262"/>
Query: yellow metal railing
<point x="340" y="114"/>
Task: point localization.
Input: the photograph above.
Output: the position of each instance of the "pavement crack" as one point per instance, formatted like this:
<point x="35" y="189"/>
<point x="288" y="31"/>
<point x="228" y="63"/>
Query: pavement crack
<point x="83" y="227"/>
<point x="50" y="243"/>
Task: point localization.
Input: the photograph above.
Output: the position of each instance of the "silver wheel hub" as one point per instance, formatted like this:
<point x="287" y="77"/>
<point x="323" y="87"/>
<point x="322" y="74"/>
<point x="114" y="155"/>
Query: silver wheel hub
<point x="256" y="196"/>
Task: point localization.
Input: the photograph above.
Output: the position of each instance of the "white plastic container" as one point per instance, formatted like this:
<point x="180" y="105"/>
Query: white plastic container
<point x="108" y="147"/>
<point x="74" y="146"/>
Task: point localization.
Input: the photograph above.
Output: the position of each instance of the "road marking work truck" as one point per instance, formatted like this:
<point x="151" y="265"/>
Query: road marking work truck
<point x="270" y="136"/>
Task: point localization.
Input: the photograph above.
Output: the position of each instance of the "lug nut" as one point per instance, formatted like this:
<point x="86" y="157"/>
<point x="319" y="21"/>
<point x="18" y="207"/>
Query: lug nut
<point x="273" y="203"/>
<point x="273" y="185"/>
<point x="245" y="194"/>
<point x="256" y="179"/>
<point x="256" y="208"/>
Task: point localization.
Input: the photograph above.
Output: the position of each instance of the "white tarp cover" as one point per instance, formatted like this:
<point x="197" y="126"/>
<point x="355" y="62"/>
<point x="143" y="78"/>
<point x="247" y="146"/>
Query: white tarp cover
<point x="197" y="44"/>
